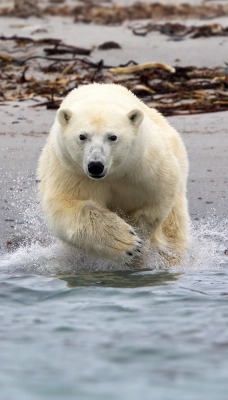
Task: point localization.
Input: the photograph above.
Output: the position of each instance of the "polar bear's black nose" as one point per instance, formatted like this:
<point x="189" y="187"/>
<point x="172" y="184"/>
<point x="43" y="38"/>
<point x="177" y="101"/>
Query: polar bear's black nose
<point x="95" y="168"/>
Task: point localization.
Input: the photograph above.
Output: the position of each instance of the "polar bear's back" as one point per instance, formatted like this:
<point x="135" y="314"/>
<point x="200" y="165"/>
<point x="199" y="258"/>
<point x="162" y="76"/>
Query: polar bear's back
<point x="113" y="93"/>
<point x="101" y="92"/>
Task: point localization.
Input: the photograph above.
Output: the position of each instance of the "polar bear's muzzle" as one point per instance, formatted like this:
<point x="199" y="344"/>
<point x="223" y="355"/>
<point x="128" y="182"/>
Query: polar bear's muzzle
<point x="96" y="169"/>
<point x="96" y="158"/>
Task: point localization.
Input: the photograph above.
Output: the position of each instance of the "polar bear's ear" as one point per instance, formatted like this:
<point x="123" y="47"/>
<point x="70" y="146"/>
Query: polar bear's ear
<point x="64" y="116"/>
<point x="135" y="116"/>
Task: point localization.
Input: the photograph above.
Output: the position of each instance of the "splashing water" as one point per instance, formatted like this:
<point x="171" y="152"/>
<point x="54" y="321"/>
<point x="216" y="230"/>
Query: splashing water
<point x="209" y="243"/>
<point x="207" y="251"/>
<point x="41" y="253"/>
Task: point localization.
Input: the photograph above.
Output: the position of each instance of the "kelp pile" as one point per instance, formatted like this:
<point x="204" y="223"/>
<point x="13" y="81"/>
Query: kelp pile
<point x="46" y="70"/>
<point x="108" y="13"/>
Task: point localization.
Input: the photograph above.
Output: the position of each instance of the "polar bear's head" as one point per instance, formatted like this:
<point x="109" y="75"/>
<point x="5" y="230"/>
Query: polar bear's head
<point x="100" y="138"/>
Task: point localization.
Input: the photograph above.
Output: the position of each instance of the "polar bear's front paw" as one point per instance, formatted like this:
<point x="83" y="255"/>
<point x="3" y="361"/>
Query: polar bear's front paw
<point x="122" y="242"/>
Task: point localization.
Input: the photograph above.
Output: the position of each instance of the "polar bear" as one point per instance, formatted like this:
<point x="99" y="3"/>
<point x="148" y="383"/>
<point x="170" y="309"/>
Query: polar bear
<point x="113" y="177"/>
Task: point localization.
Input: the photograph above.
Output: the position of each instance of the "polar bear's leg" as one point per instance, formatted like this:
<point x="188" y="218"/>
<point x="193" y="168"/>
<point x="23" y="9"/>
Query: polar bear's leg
<point x="169" y="236"/>
<point x="94" y="229"/>
<point x="176" y="228"/>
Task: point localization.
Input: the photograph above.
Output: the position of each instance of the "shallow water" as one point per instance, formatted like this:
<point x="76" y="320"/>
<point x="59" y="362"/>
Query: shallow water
<point x="155" y="334"/>
<point x="115" y="335"/>
<point x="74" y="328"/>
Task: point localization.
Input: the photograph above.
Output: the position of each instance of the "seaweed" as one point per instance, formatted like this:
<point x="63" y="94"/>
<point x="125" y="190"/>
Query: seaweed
<point x="46" y="70"/>
<point x="113" y="14"/>
<point x="179" y="31"/>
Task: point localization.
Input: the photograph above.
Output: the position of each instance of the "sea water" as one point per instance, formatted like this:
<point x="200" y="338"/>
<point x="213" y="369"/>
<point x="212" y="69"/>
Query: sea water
<point x="75" y="328"/>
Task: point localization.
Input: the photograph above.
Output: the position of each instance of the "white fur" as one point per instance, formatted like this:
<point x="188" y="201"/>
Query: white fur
<point x="143" y="183"/>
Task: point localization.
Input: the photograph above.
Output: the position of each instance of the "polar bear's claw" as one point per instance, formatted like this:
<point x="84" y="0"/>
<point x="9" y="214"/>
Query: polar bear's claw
<point x="136" y="250"/>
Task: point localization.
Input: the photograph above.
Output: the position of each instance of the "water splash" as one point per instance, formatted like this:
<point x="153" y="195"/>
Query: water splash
<point x="40" y="253"/>
<point x="209" y="241"/>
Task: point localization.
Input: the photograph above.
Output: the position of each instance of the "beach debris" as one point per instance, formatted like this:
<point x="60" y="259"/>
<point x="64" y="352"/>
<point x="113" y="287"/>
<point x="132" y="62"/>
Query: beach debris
<point x="25" y="9"/>
<point x="45" y="70"/>
<point x="109" y="46"/>
<point x="141" y="67"/>
<point x="61" y="48"/>
<point x="111" y="14"/>
<point x="177" y="31"/>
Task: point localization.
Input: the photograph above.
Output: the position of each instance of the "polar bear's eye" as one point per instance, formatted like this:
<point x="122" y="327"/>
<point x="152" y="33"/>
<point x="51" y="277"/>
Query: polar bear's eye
<point x="82" y="137"/>
<point x="113" y="138"/>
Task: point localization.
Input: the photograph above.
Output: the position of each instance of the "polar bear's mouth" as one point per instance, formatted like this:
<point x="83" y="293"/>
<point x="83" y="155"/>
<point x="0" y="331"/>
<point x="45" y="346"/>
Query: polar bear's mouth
<point x="96" y="177"/>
